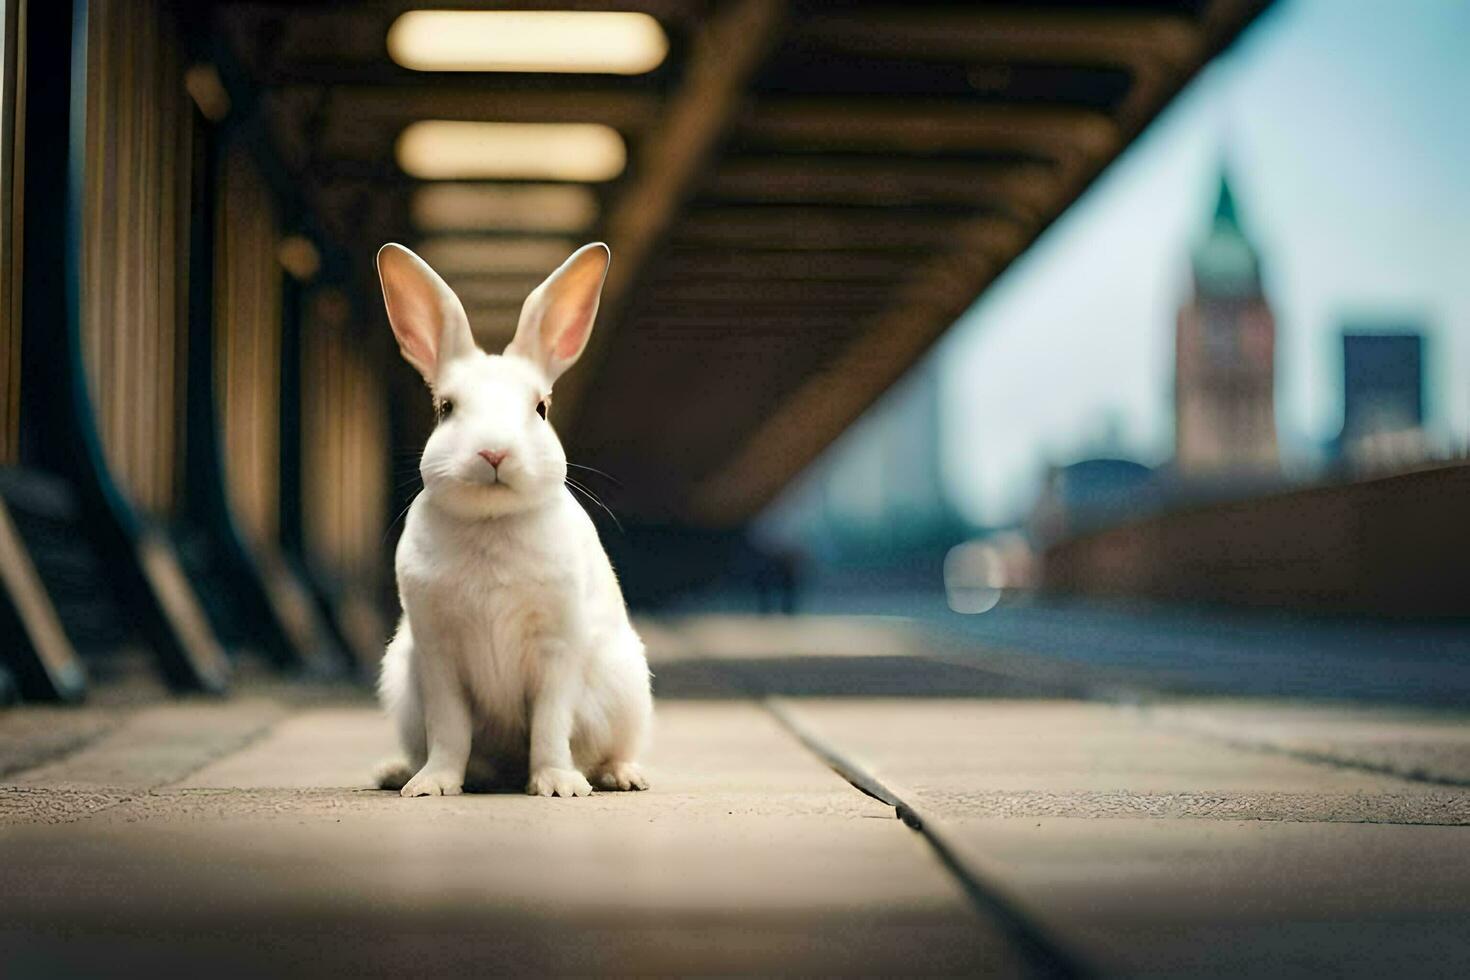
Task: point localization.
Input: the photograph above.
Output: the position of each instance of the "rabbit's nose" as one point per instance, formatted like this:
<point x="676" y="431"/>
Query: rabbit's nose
<point x="492" y="457"/>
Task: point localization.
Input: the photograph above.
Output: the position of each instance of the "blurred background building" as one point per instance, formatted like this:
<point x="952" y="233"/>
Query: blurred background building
<point x="1383" y="398"/>
<point x="1225" y="357"/>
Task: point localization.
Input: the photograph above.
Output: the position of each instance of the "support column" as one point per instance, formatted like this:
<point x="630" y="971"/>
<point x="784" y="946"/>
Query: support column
<point x="61" y="434"/>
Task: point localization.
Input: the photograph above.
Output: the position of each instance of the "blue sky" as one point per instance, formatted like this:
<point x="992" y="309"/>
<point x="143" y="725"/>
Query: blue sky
<point x="1344" y="124"/>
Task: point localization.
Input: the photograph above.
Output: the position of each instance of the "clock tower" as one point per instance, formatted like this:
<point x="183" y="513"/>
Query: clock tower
<point x="1225" y="357"/>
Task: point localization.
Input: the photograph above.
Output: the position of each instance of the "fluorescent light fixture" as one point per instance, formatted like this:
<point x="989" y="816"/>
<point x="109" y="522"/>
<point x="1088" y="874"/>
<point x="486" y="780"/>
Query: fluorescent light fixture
<point x="469" y="255"/>
<point x="442" y="149"/>
<point x="504" y="207"/>
<point x="528" y="40"/>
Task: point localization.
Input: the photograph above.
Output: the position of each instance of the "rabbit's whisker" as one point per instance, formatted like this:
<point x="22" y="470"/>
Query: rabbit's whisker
<point x="393" y="523"/>
<point x="596" y="500"/>
<point x="593" y="469"/>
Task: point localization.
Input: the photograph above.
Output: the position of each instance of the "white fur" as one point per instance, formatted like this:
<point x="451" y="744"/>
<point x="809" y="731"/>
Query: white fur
<point x="515" y="653"/>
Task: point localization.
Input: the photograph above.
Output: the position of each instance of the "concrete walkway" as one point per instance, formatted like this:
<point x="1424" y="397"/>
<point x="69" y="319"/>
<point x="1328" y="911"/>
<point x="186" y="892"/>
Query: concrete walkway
<point x="1042" y="834"/>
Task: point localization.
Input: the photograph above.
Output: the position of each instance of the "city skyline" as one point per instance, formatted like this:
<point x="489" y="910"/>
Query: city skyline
<point x="1348" y="179"/>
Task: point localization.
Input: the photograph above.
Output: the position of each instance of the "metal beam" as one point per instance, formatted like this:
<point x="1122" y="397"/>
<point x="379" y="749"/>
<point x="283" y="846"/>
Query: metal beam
<point x="46" y="665"/>
<point x="371" y="105"/>
<point x="858" y="229"/>
<point x="726" y="53"/>
<point x="1017" y="34"/>
<point x="685" y="318"/>
<point x="1019" y="187"/>
<point x="721" y="293"/>
<point x="681" y="264"/>
<point x="1071" y="137"/>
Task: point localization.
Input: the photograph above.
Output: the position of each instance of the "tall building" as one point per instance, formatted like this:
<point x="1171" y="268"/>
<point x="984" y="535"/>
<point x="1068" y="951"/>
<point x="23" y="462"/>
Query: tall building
<point x="1383" y="398"/>
<point x="1382" y="382"/>
<point x="1225" y="356"/>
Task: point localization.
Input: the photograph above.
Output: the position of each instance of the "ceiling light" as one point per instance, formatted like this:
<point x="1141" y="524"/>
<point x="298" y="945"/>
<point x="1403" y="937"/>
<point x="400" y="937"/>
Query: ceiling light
<point x="528" y="40"/>
<point x="504" y="207"/>
<point x="465" y="255"/>
<point x="441" y="149"/>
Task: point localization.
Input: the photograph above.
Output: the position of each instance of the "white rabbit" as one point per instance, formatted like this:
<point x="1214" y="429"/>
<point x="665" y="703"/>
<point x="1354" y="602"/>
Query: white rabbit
<point x="515" y="653"/>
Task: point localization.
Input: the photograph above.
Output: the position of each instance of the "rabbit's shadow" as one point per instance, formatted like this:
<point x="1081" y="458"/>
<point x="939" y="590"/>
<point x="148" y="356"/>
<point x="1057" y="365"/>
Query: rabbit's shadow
<point x="504" y="782"/>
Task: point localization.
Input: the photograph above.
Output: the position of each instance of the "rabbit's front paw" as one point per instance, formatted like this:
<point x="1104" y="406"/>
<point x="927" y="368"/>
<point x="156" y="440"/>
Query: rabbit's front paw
<point x="428" y="783"/>
<point x="558" y="782"/>
<point x="621" y="775"/>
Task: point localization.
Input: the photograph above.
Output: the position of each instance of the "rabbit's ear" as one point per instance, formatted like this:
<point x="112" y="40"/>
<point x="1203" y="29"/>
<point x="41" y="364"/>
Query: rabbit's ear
<point x="556" y="319"/>
<point x="428" y="319"/>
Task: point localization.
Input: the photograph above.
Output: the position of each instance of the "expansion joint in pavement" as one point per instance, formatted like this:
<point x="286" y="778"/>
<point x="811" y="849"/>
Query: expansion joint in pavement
<point x="1043" y="954"/>
<point x="1314" y="756"/>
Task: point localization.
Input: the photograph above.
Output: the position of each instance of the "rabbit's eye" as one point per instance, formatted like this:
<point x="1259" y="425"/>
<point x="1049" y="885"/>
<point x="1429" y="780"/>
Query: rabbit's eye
<point x="445" y="408"/>
<point x="541" y="408"/>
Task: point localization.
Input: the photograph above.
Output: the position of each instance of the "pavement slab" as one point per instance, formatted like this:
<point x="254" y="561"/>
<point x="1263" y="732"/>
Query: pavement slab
<point x="1144" y="849"/>
<point x="1422" y="745"/>
<point x="273" y="858"/>
<point x="1076" y="747"/>
<point x="1234" y="898"/>
<point x="156" y="745"/>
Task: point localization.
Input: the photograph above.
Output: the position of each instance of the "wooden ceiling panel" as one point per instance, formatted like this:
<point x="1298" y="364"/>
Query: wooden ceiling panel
<point x="758" y="265"/>
<point x="928" y="128"/>
<point x="1002" y="186"/>
<point x="824" y="229"/>
<point x="975" y="81"/>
